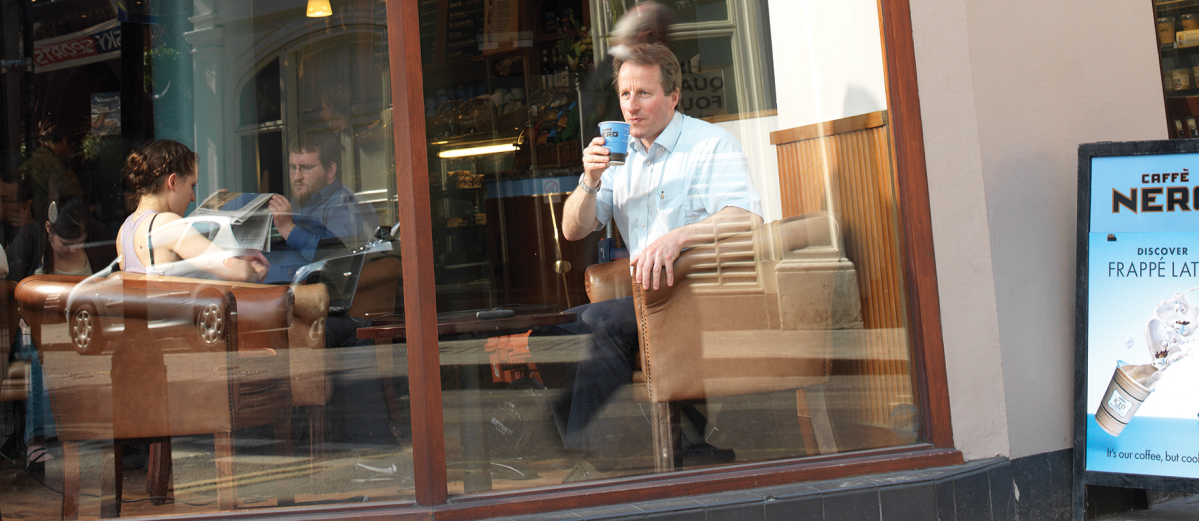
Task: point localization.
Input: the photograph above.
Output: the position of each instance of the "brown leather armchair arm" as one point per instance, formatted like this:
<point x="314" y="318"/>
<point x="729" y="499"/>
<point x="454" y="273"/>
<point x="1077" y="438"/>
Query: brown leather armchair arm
<point x="306" y="336"/>
<point x="608" y="280"/>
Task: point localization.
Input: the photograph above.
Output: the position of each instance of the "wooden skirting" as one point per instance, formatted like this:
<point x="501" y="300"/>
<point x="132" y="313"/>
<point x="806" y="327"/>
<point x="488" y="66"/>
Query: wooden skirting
<point x="844" y="167"/>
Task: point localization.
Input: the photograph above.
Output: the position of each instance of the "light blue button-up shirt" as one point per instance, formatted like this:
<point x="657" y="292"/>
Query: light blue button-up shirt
<point x="693" y="170"/>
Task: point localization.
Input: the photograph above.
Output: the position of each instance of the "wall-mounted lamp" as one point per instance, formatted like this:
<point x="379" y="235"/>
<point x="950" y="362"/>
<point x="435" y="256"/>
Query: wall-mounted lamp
<point x="478" y="151"/>
<point x="479" y="148"/>
<point x="319" y="8"/>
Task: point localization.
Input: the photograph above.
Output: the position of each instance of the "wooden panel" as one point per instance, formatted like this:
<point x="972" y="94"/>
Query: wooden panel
<point x="907" y="156"/>
<point x="844" y="167"/>
<point x="829" y="128"/>
<point x="420" y="291"/>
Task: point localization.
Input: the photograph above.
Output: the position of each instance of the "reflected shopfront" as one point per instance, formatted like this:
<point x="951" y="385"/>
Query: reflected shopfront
<point x="439" y="357"/>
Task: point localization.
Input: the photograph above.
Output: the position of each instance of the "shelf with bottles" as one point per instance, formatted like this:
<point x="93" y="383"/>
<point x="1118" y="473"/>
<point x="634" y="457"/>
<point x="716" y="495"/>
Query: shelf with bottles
<point x="1185" y="93"/>
<point x="1178" y="29"/>
<point x="1169" y="6"/>
<point x="1179" y="73"/>
<point x="485" y="102"/>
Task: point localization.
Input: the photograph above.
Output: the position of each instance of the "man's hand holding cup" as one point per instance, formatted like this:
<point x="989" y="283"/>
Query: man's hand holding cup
<point x="595" y="161"/>
<point x="609" y="149"/>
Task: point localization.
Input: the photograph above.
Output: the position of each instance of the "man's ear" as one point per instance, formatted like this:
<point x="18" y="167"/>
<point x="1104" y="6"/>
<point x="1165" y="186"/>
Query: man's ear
<point x="331" y="175"/>
<point x="674" y="99"/>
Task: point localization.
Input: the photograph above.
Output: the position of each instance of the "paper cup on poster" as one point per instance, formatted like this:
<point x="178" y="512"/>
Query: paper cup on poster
<point x="1121" y="401"/>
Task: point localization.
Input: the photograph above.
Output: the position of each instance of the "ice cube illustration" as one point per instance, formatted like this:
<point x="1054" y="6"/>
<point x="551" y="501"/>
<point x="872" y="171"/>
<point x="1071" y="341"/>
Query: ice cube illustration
<point x="1163" y="341"/>
<point x="1179" y="314"/>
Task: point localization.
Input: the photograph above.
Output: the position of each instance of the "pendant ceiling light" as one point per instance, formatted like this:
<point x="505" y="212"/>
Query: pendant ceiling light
<point x="319" y="8"/>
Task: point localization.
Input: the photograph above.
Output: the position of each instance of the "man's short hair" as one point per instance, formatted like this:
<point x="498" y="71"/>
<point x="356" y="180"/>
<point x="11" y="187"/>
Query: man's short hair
<point x="327" y="146"/>
<point x="653" y="54"/>
<point x="51" y="132"/>
<point x="24" y="184"/>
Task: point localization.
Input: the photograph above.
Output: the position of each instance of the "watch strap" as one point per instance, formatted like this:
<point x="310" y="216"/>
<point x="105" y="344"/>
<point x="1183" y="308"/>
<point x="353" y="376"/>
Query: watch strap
<point x="588" y="189"/>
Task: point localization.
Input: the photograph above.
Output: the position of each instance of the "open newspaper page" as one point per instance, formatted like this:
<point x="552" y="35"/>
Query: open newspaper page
<point x="249" y="220"/>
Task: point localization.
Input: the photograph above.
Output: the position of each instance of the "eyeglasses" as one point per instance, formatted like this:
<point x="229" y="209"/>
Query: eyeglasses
<point x="302" y="168"/>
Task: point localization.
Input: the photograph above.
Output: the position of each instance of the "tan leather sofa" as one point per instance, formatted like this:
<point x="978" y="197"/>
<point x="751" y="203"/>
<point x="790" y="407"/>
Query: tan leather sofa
<point x="194" y="357"/>
<point x="752" y="312"/>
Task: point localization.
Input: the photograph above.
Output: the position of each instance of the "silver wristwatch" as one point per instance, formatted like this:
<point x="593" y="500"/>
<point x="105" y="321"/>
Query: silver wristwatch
<point x="589" y="189"/>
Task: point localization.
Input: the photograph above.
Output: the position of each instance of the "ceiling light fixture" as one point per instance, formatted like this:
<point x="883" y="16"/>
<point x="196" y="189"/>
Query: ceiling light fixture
<point x="478" y="151"/>
<point x="319" y="8"/>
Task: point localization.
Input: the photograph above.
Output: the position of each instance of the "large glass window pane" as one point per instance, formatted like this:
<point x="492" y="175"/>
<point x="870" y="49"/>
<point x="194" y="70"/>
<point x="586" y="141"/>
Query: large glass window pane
<point x="784" y="334"/>
<point x="224" y="371"/>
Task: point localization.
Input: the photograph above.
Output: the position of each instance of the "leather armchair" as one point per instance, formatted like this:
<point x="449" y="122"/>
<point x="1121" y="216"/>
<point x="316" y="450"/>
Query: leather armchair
<point x="752" y="312"/>
<point x="150" y="359"/>
<point x="310" y="384"/>
<point x="377" y="286"/>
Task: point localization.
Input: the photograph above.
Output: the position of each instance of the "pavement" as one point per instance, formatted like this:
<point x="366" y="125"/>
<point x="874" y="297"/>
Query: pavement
<point x="1177" y="510"/>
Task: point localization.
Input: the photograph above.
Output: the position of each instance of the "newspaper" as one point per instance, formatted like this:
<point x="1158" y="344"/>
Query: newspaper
<point x="249" y="219"/>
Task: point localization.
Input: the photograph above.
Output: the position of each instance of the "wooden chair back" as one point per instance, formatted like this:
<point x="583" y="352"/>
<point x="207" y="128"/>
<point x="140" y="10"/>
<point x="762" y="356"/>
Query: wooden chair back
<point x="844" y="167"/>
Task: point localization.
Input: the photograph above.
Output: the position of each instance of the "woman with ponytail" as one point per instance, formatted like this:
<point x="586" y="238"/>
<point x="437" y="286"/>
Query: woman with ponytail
<point x="155" y="239"/>
<point x="69" y="242"/>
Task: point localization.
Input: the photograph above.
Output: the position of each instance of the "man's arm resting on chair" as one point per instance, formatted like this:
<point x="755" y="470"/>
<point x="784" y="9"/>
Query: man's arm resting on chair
<point x="661" y="254"/>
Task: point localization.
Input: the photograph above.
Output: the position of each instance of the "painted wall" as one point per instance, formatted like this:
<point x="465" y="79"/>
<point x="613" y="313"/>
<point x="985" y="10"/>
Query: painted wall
<point x="827" y="60"/>
<point x="1008" y="91"/>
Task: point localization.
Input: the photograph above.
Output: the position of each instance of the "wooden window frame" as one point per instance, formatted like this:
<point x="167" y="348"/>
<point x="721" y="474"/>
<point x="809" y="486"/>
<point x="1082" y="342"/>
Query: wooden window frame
<point x="928" y="374"/>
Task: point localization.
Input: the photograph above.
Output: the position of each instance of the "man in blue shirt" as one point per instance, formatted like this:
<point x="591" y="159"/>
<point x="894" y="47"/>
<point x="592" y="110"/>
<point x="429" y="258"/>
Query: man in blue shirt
<point x="323" y="214"/>
<point x="683" y="178"/>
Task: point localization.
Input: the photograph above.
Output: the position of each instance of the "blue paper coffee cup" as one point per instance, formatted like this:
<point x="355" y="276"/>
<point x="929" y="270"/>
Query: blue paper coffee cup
<point x="616" y="140"/>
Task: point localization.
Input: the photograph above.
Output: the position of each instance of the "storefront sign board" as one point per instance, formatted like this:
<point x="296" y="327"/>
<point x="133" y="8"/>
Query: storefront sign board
<point x="1136" y="420"/>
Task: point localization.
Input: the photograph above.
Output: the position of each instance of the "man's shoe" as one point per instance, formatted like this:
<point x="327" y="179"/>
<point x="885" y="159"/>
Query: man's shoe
<point x="703" y="454"/>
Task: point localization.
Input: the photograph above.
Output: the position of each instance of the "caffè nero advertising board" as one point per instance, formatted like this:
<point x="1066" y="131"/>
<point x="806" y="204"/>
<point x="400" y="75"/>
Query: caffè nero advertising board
<point x="1136" y="419"/>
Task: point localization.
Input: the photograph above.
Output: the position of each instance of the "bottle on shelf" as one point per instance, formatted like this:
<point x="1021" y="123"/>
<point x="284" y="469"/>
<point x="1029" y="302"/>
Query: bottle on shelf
<point x="549" y="16"/>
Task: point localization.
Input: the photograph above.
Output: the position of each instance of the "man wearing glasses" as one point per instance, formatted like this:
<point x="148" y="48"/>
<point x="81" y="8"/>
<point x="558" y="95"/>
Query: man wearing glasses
<point x="323" y="213"/>
<point x="324" y="216"/>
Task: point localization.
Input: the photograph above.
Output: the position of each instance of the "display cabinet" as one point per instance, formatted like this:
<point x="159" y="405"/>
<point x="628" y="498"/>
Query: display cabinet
<point x="1178" y="41"/>
<point x="503" y="110"/>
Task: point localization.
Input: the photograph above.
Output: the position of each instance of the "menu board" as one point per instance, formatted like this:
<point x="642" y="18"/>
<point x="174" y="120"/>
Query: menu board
<point x="501" y="24"/>
<point x="427" y="12"/>
<point x="380" y="56"/>
<point x="463" y="30"/>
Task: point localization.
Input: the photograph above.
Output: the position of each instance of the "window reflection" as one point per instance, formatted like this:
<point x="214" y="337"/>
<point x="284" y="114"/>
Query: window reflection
<point x="783" y="334"/>
<point x="200" y="395"/>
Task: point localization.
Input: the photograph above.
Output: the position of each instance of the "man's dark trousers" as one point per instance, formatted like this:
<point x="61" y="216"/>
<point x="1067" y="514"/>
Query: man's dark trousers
<point x="607" y="365"/>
